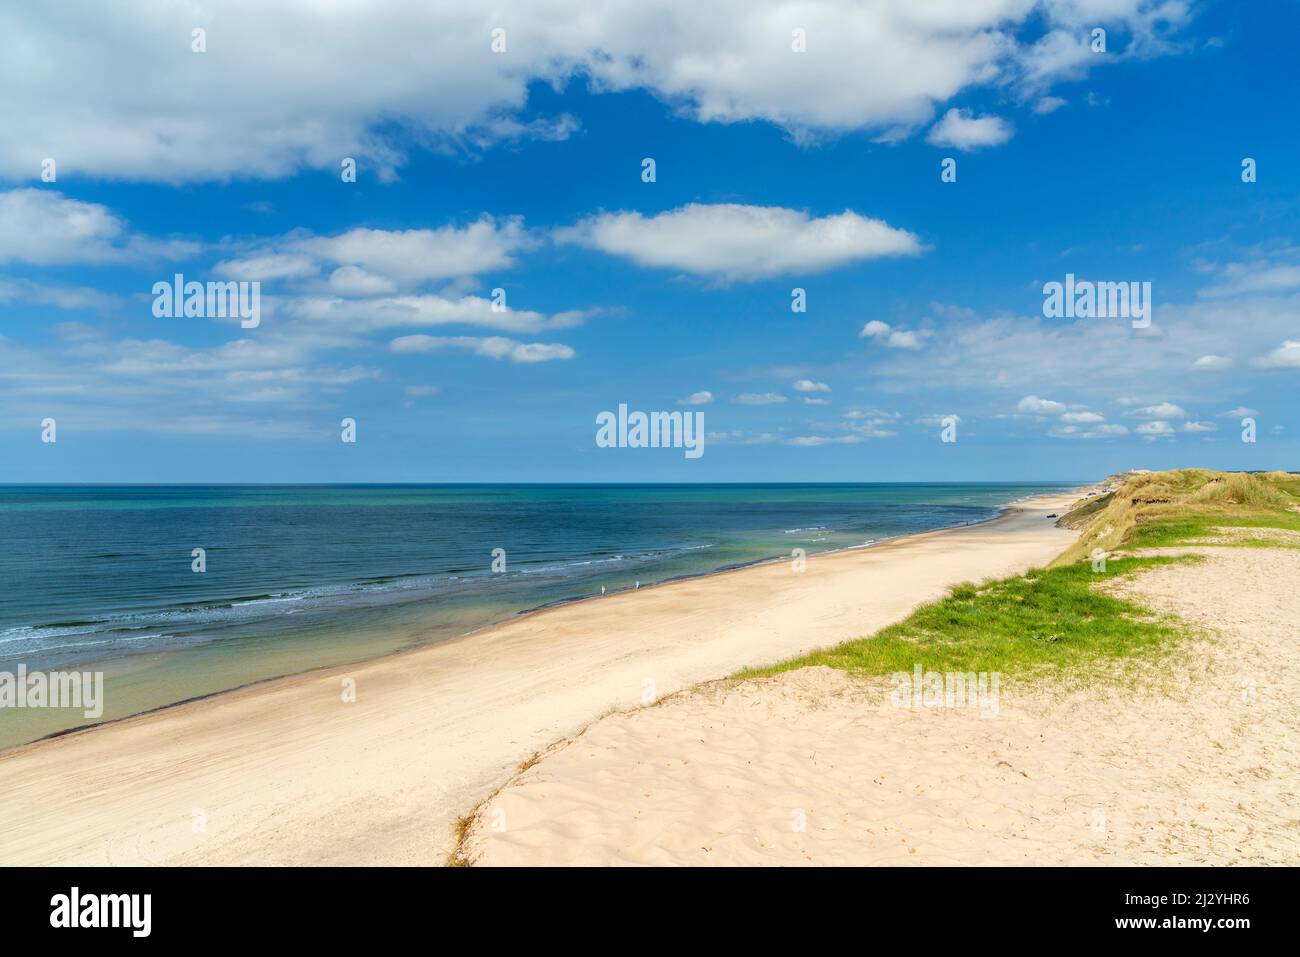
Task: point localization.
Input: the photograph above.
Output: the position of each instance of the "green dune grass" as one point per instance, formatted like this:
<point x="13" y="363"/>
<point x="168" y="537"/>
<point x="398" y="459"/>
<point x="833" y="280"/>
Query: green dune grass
<point x="1056" y="620"/>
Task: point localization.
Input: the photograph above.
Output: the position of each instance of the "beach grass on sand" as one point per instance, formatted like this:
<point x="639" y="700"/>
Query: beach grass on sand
<point x="1056" y="620"/>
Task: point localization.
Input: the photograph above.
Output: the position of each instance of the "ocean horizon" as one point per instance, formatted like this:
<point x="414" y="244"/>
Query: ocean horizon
<point x="296" y="577"/>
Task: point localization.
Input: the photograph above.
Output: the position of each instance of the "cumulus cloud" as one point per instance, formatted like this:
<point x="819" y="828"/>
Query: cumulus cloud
<point x="1285" y="356"/>
<point x="1162" y="410"/>
<point x="880" y="66"/>
<point x="372" y="261"/>
<point x="1199" y="427"/>
<point x="962" y="131"/>
<point x="1211" y="363"/>
<point x="1033" y="405"/>
<point x="808" y="385"/>
<point x="420" y="255"/>
<point x="371" y="278"/>
<point x="697" y="398"/>
<point x="886" y="334"/>
<point x="734" y="242"/>
<point x="1082" y="417"/>
<point x="1154" y="429"/>
<point x="268" y="266"/>
<point x="46" y="228"/>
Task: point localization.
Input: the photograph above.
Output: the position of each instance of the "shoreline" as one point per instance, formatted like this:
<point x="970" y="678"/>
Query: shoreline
<point x="445" y="724"/>
<point x="418" y="644"/>
<point x="1002" y="511"/>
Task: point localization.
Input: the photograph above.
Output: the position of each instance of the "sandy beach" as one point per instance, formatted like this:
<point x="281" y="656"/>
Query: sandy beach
<point x="1193" y="761"/>
<point x="289" y="772"/>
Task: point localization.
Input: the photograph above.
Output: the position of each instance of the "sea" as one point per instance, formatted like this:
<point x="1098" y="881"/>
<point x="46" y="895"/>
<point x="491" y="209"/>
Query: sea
<point x="291" y="578"/>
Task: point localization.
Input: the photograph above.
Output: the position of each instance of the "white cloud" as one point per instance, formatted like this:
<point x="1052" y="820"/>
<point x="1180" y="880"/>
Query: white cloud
<point x="268" y="266"/>
<point x="1199" y="427"/>
<point x="1238" y="279"/>
<point x="1082" y="417"/>
<point x="884" y="333"/>
<point x="153" y="385"/>
<point x="760" y="398"/>
<point x="365" y="80"/>
<point x="809" y="400"/>
<point x="61" y="297"/>
<point x="1285" y="356"/>
<point x="904" y="339"/>
<point x="1074" y="432"/>
<point x="1099" y="360"/>
<point x="813" y="440"/>
<point x="355" y="282"/>
<point x="960" y="130"/>
<point x="492" y="347"/>
<point x="1033" y="405"/>
<point x="45" y="228"/>
<point x="413" y="256"/>
<point x="1240" y="412"/>
<point x="734" y="242"/>
<point x="697" y="398"/>
<point x="1212" y="363"/>
<point x="873" y="415"/>
<point x="367" y="262"/>
<point x="1048" y="104"/>
<point x="418" y="310"/>
<point x="1162" y="410"/>
<point x="808" y="385"/>
<point x="1158" y="427"/>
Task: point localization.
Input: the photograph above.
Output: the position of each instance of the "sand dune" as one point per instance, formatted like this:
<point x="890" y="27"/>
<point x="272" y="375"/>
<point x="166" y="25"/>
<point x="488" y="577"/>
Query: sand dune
<point x="286" y="772"/>
<point x="1191" y="764"/>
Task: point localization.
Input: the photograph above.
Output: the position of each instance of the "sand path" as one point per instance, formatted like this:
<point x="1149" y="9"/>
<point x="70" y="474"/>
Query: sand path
<point x="286" y="772"/>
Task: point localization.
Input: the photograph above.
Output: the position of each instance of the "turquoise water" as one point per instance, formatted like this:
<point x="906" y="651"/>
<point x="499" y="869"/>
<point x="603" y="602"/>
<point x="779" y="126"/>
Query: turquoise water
<point x="100" y="578"/>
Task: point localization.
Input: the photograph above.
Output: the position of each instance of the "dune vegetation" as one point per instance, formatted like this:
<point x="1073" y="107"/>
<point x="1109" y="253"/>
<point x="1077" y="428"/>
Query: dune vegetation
<point x="1156" y="509"/>
<point x="1057" y="619"/>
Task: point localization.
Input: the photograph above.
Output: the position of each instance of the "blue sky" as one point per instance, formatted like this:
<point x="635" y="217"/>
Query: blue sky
<point x="522" y="171"/>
